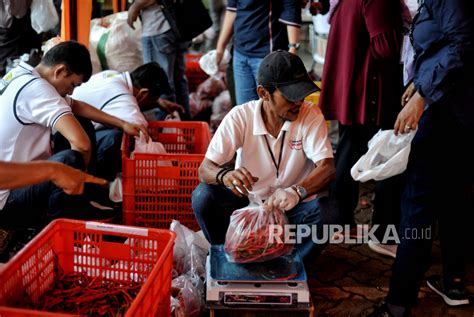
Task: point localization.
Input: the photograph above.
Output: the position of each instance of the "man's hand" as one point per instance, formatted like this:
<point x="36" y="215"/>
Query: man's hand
<point x="410" y="115"/>
<point x="170" y="106"/>
<point x="285" y="199"/>
<point x="72" y="180"/>
<point x="135" y="129"/>
<point x="219" y="56"/>
<point x="239" y="181"/>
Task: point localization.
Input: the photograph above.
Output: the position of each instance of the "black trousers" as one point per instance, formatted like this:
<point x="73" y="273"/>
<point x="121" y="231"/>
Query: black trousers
<point x="438" y="188"/>
<point x="344" y="190"/>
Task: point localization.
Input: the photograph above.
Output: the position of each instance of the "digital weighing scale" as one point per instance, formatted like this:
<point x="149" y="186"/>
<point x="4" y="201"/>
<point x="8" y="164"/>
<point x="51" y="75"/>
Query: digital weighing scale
<point x="276" y="283"/>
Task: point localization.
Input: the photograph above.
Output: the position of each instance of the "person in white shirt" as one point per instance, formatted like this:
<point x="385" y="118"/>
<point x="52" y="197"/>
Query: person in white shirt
<point x="35" y="101"/>
<point x="124" y="95"/>
<point x="282" y="153"/>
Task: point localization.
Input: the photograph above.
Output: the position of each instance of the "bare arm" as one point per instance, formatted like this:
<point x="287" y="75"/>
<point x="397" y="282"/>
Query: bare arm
<point x="72" y="130"/>
<point x="15" y="175"/>
<point x="135" y="8"/>
<point x="293" y="37"/>
<point x="225" y="35"/>
<point x="319" y="179"/>
<point x="87" y="111"/>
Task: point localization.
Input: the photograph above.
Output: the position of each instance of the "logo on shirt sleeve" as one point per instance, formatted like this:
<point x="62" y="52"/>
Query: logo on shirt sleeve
<point x="296" y="144"/>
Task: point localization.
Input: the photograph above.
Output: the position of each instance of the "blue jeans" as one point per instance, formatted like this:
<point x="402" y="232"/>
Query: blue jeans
<point x="168" y="52"/>
<point x="109" y="157"/>
<point x="439" y="177"/>
<point x="34" y="206"/>
<point x="245" y="77"/>
<point x="214" y="204"/>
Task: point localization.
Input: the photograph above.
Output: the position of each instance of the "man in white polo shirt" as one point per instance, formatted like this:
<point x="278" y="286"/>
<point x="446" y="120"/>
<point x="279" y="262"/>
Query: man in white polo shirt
<point x="282" y="153"/>
<point x="124" y="95"/>
<point x="33" y="102"/>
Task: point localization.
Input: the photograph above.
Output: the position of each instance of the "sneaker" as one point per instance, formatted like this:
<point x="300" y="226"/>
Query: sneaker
<point x="453" y="296"/>
<point x="384" y="249"/>
<point x="384" y="311"/>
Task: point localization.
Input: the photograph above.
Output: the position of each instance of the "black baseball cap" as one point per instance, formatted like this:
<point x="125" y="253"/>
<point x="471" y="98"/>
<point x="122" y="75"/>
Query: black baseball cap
<point x="286" y="72"/>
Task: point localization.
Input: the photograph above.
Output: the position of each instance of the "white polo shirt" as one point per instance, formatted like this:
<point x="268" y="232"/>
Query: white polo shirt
<point x="243" y="132"/>
<point x="29" y="108"/>
<point x="111" y="92"/>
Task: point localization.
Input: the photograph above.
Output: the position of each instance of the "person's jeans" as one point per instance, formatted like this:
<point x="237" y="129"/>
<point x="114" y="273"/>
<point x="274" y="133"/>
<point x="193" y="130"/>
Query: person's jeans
<point x="109" y="159"/>
<point x="439" y="177"/>
<point x="34" y="206"/>
<point x="214" y="204"/>
<point x="168" y="52"/>
<point x="245" y="77"/>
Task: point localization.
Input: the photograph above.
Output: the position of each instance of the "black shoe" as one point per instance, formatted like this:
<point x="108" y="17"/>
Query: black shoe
<point x="381" y="311"/>
<point x="384" y="311"/>
<point x="454" y="295"/>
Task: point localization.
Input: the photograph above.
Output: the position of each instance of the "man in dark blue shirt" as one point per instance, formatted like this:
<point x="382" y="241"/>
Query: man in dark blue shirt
<point x="259" y="28"/>
<point x="440" y="170"/>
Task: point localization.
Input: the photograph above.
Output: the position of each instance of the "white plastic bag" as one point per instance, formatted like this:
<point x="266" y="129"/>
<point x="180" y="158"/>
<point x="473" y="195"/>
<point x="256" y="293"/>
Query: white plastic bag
<point x="142" y="146"/>
<point x="387" y="156"/>
<point x="208" y="62"/>
<point x="116" y="189"/>
<point x="147" y="178"/>
<point x="113" y="44"/>
<point x="43" y="15"/>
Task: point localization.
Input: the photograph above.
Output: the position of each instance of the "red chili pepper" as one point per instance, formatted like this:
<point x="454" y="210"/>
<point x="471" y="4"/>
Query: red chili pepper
<point x="83" y="295"/>
<point x="248" y="236"/>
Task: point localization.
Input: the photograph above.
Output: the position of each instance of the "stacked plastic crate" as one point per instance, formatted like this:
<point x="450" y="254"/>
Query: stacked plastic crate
<point x="194" y="74"/>
<point x="157" y="188"/>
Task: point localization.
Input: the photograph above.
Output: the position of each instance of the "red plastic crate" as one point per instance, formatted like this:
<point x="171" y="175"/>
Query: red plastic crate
<point x="193" y="71"/>
<point x="157" y="188"/>
<point x="87" y="247"/>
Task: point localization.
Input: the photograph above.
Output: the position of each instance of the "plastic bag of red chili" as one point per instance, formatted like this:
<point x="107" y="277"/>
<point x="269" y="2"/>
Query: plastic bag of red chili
<point x="256" y="235"/>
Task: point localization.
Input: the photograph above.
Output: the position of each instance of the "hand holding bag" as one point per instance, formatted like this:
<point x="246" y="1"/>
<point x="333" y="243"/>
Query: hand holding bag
<point x="387" y="156"/>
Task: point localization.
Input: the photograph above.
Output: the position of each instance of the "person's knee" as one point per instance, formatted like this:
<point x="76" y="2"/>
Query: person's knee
<point x="69" y="157"/>
<point x="202" y="197"/>
<point x="109" y="139"/>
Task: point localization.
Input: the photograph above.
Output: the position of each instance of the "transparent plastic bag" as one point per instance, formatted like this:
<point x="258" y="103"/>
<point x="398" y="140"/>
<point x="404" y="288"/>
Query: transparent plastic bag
<point x="251" y="236"/>
<point x="387" y="156"/>
<point x="43" y="15"/>
<point x="188" y="293"/>
<point x="190" y="250"/>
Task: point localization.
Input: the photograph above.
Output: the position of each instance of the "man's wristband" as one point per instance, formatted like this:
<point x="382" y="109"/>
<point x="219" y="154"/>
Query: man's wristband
<point x="221" y="173"/>
<point x="294" y="45"/>
<point x="224" y="174"/>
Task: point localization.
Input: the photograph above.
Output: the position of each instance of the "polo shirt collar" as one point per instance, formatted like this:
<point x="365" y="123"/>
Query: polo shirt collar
<point x="128" y="80"/>
<point x="28" y="67"/>
<point x="258" y="125"/>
